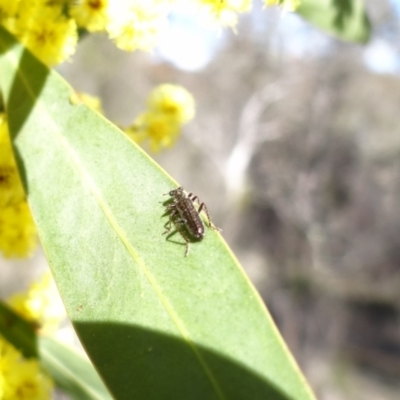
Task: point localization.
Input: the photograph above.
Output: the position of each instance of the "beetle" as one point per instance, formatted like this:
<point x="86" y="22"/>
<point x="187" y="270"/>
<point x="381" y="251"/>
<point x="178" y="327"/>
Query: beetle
<point x="183" y="213"/>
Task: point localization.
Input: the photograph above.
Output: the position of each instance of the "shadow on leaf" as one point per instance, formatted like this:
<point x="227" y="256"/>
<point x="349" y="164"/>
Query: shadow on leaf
<point x="166" y="367"/>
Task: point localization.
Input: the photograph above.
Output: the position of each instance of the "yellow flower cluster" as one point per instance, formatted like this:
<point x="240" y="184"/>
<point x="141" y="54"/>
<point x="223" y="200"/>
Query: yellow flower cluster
<point x="137" y="24"/>
<point x="18" y="236"/>
<point x="39" y="305"/>
<point x="21" y="379"/>
<point x="169" y="107"/>
<point x="42" y="26"/>
<point x="49" y="28"/>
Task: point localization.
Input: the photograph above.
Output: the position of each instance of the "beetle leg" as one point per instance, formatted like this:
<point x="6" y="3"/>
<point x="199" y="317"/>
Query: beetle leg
<point x="194" y="198"/>
<point x="179" y="224"/>
<point x="169" y="223"/>
<point x="210" y="224"/>
<point x="203" y="207"/>
<point x="184" y="236"/>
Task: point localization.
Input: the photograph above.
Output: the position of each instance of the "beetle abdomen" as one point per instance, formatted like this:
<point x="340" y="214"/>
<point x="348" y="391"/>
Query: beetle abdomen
<point x="191" y="217"/>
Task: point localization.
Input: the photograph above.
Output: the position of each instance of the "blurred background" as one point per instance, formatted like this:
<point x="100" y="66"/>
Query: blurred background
<point x="295" y="148"/>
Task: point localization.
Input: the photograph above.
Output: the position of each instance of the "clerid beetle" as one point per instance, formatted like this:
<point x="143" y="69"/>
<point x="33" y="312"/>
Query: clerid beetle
<point x="184" y="215"/>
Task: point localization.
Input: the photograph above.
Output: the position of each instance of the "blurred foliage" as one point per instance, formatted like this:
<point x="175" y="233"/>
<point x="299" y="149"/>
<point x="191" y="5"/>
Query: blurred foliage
<point x="346" y="19"/>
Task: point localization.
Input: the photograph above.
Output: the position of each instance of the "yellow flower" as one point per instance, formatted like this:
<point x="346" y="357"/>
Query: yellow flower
<point x="11" y="190"/>
<point x="21" y="379"/>
<point x="173" y="100"/>
<point x="18" y="236"/>
<point x="91" y="14"/>
<point x="91" y="101"/>
<point x="137" y="24"/>
<point x="288" y="5"/>
<point x="8" y="9"/>
<point x="39" y="304"/>
<point x="169" y="107"/>
<point x="45" y="30"/>
<point x="224" y="12"/>
<point x="160" y="129"/>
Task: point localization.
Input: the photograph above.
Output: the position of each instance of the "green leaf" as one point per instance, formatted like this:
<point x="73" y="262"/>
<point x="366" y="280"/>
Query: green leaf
<point x="18" y="332"/>
<point x="70" y="371"/>
<point x="156" y="324"/>
<point x="345" y="19"/>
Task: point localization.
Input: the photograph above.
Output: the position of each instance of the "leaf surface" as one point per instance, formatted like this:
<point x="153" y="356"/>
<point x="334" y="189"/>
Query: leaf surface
<point x="156" y="324"/>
